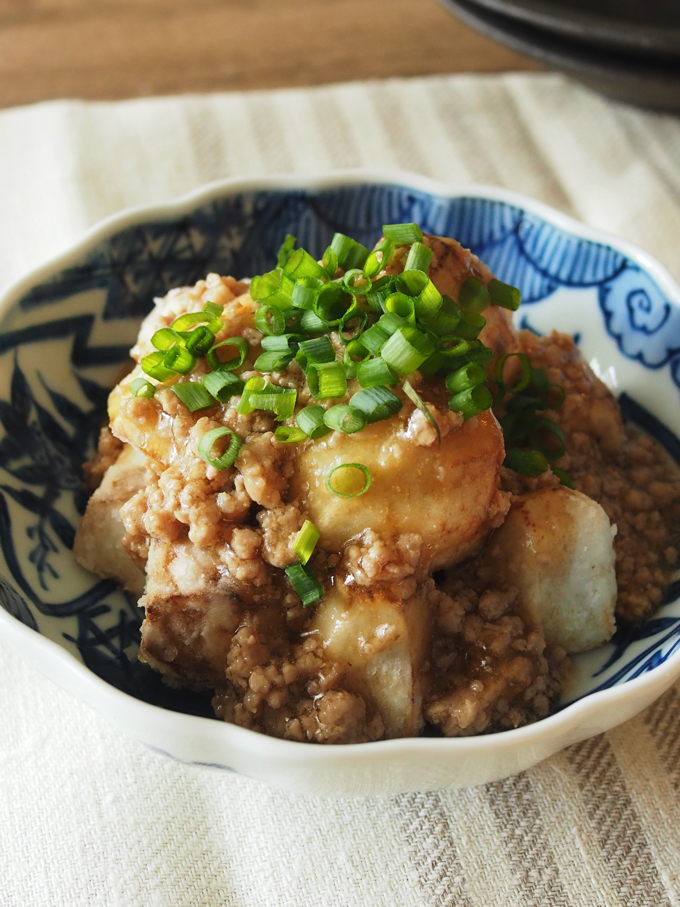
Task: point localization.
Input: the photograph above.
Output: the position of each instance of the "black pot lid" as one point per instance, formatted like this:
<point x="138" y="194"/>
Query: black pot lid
<point x="646" y="83"/>
<point x="648" y="27"/>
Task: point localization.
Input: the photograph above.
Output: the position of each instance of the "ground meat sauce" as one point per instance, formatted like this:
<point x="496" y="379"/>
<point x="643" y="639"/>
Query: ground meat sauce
<point x="208" y="547"/>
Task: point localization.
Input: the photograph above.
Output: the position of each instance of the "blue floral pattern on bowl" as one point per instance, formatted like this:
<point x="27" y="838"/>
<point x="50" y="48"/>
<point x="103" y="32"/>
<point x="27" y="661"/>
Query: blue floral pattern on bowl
<point x="64" y="342"/>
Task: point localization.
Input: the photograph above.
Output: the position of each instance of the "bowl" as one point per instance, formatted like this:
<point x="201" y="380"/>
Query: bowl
<point x="64" y="335"/>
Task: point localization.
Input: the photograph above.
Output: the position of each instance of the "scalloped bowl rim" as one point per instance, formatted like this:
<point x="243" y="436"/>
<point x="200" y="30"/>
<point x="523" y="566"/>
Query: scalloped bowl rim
<point x="52" y="660"/>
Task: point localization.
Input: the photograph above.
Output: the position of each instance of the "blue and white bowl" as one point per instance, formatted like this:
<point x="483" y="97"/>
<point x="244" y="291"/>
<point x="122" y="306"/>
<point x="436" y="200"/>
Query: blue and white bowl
<point x="65" y="332"/>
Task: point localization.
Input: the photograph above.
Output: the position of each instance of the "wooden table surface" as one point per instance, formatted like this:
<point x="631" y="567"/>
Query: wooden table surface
<point x="126" y="48"/>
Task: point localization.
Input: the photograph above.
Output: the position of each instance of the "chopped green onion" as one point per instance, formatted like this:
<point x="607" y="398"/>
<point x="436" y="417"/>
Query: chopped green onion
<point x="285" y="250"/>
<point x="379" y="258"/>
<point x="376" y="403"/>
<point x="270" y="319"/>
<point x="327" y="380"/>
<point x="216" y="364"/>
<point x="374" y="372"/>
<point x="355" y="281"/>
<point x="353" y="314"/>
<point x="550" y="432"/>
<point x="153" y="366"/>
<point x="347" y="485"/>
<point x="199" y="341"/>
<point x="179" y="360"/>
<point x="474" y="296"/>
<point x="305" y="541"/>
<point x="374" y="339"/>
<point x="310" y="323"/>
<point x="469" y="375"/>
<point x="351" y="254"/>
<point x="311" y="421"/>
<point x="257" y="394"/>
<point x="332" y="302"/>
<point x="329" y="262"/>
<point x="526" y="462"/>
<point x="272" y="361"/>
<point x="287" y="434"/>
<point x="402" y="234"/>
<point x="273" y="288"/>
<point x="419" y="257"/>
<point x="313" y="352"/>
<point x="282" y="343"/>
<point x="418" y="402"/>
<point x="193" y="395"/>
<point x="562" y="394"/>
<point x="470" y="325"/>
<point x="305" y="291"/>
<point x="381" y="289"/>
<point x="402" y="305"/>
<point x="164" y="339"/>
<point x="406" y="349"/>
<point x="213" y="309"/>
<point x="223" y="384"/>
<point x="524" y="379"/>
<point x="445" y="320"/>
<point x="140" y="387"/>
<point x="305" y="583"/>
<point x="191" y="319"/>
<point x="564" y="477"/>
<point x="301" y="264"/>
<point x="228" y="458"/>
<point x="504" y="295"/>
<point x="343" y="418"/>
<point x="471" y="402"/>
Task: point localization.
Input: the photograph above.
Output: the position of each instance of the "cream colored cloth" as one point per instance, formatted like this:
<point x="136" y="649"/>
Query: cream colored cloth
<point x="88" y="817"/>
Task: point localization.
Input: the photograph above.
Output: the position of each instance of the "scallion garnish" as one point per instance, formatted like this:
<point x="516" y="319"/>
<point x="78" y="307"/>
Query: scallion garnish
<point x="345" y="419"/>
<point x="311" y="421"/>
<point x="226" y="459"/>
<point x="419" y="257"/>
<point x="417" y="401"/>
<point x="285" y="250"/>
<point x="504" y="295"/>
<point x="301" y="264"/>
<point x="406" y="350"/>
<point x="471" y="402"/>
<point x="257" y="394"/>
<point x="305" y="583"/>
<point x="215" y="363"/>
<point x="351" y="254"/>
<point x="288" y="434"/>
<point x="314" y="352"/>
<point x="200" y="340"/>
<point x="349" y="480"/>
<point x="153" y="366"/>
<point x="193" y="395"/>
<point x="213" y="309"/>
<point x="272" y="361"/>
<point x="467" y="376"/>
<point x="474" y="296"/>
<point x="327" y="380"/>
<point x="402" y="234"/>
<point x="164" y="339"/>
<point x="526" y="462"/>
<point x="374" y="372"/>
<point x="222" y="384"/>
<point x="179" y="360"/>
<point x="140" y="387"/>
<point x="305" y="541"/>
<point x="376" y="403"/>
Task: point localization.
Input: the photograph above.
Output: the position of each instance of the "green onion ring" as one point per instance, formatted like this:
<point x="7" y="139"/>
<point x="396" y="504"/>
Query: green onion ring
<point x="228" y="458"/>
<point x="343" y="494"/>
